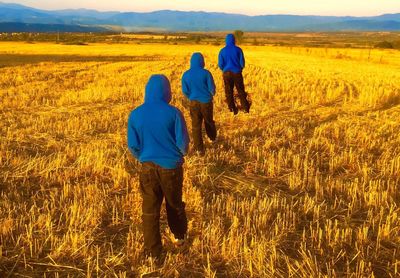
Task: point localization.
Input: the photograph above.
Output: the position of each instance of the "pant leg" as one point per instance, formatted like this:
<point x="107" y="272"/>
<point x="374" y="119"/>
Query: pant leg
<point x="208" y="115"/>
<point x="229" y="83"/>
<point x="152" y="199"/>
<point x="197" y="121"/>
<point x="172" y="183"/>
<point x="239" y="84"/>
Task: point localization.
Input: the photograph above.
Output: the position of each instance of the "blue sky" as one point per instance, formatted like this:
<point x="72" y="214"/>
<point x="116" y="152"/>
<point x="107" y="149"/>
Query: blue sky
<point x="250" y="7"/>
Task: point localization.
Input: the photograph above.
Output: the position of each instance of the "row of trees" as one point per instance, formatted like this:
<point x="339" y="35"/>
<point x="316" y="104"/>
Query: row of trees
<point x="388" y="45"/>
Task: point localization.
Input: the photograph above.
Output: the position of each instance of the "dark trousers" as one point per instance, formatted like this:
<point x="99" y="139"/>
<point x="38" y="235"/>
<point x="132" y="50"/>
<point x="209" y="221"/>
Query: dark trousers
<point x="232" y="80"/>
<point x="157" y="183"/>
<point x="199" y="112"/>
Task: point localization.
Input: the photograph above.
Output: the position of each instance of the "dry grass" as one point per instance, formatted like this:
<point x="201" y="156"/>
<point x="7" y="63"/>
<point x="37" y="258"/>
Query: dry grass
<point x="306" y="185"/>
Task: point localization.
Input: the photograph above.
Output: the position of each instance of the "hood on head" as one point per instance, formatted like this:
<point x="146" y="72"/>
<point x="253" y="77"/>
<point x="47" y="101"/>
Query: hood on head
<point x="158" y="89"/>
<point x="197" y="60"/>
<point x="230" y="39"/>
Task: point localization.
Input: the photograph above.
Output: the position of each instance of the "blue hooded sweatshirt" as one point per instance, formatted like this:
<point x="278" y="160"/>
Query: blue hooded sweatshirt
<point x="198" y="83"/>
<point x="231" y="57"/>
<point x="157" y="131"/>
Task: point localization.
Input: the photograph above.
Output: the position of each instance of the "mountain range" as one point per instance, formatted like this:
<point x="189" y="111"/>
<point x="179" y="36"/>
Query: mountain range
<point x="19" y="18"/>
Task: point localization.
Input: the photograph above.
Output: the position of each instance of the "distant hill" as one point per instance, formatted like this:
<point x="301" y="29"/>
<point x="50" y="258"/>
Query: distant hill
<point x="84" y="13"/>
<point x="17" y="27"/>
<point x="360" y="25"/>
<point x="191" y="21"/>
<point x="22" y="14"/>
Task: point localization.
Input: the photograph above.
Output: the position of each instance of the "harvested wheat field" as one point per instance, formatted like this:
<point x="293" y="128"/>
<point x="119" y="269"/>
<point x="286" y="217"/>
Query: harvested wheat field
<point x="306" y="185"/>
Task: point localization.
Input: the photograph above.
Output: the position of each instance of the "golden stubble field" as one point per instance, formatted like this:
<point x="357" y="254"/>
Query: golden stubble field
<point x="306" y="185"/>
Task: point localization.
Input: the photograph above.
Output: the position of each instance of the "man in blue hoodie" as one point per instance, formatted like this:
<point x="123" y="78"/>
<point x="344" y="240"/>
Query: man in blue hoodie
<point x="158" y="138"/>
<point x="231" y="62"/>
<point x="199" y="87"/>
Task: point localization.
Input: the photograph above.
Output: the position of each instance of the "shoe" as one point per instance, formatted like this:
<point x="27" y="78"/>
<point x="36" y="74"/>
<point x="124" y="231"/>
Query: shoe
<point x="234" y="110"/>
<point x="179" y="242"/>
<point x="211" y="141"/>
<point x="247" y="110"/>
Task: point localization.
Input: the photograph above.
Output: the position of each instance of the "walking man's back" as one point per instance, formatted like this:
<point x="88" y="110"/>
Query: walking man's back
<point x="231" y="61"/>
<point x="158" y="138"/>
<point x="157" y="130"/>
<point x="198" y="86"/>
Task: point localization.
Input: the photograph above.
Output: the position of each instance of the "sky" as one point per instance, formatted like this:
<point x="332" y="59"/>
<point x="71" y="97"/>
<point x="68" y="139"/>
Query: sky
<point x="249" y="7"/>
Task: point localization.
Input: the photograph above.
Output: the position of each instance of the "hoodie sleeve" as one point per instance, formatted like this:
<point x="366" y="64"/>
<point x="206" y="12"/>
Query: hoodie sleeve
<point x="181" y="133"/>
<point x="221" y="60"/>
<point x="185" y="85"/>
<point x="133" y="139"/>
<point x="210" y="83"/>
<point x="242" y="60"/>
